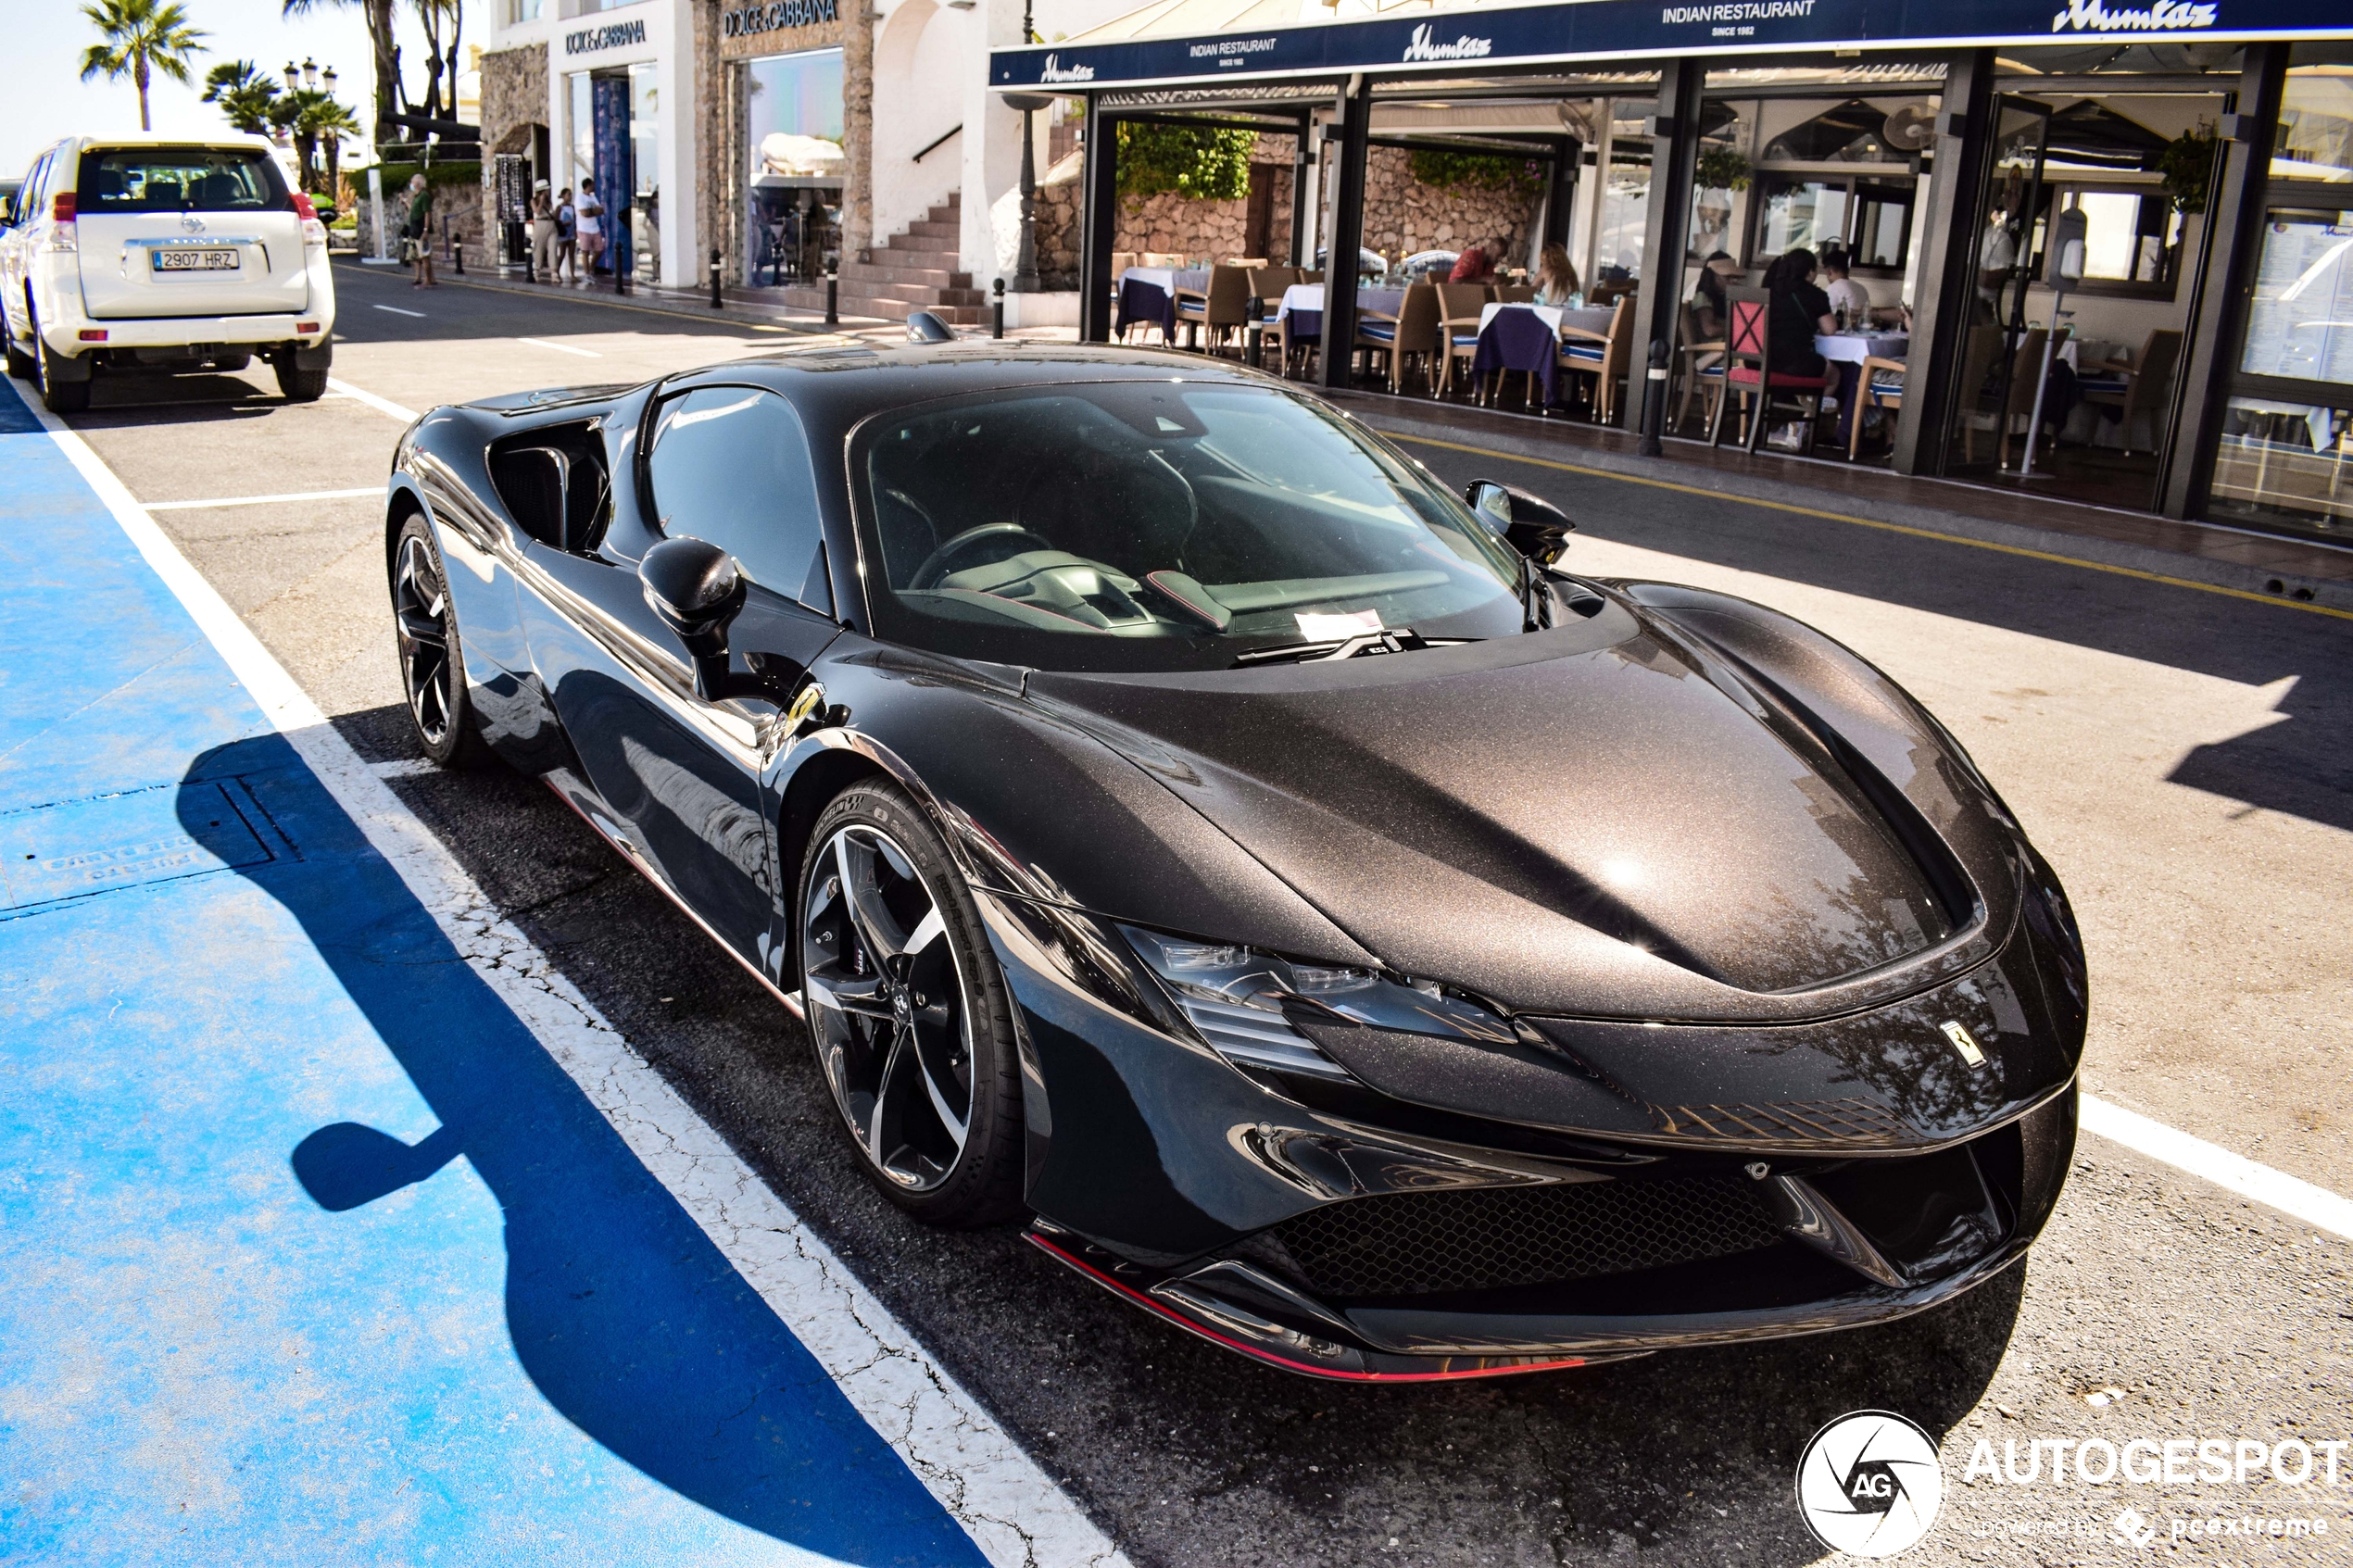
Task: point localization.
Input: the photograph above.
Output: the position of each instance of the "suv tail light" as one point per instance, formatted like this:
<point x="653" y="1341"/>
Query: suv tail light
<point x="314" y="234"/>
<point x="62" y="233"/>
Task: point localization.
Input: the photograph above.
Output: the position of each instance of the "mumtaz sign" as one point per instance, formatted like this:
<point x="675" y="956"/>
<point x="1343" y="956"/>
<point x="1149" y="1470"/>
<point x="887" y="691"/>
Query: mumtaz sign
<point x="1614" y="32"/>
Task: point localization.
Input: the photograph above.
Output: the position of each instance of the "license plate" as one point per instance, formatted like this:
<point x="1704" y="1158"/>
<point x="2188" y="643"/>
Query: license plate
<point x="190" y="260"/>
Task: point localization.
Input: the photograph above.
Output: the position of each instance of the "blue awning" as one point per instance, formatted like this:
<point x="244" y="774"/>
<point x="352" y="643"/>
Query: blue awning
<point x="1614" y="32"/>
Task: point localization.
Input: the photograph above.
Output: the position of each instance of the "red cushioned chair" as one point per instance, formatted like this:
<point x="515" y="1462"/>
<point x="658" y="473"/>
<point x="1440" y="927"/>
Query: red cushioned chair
<point x="1748" y="330"/>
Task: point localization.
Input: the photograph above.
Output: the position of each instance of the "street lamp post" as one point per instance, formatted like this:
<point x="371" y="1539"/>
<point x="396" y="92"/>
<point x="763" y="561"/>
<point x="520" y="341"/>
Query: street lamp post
<point x="1026" y="262"/>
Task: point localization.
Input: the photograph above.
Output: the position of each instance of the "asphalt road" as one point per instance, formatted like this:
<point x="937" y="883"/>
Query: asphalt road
<point x="2186" y="761"/>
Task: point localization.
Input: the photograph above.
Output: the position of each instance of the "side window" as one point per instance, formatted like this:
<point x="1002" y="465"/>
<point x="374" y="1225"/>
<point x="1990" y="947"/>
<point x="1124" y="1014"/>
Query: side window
<point x="30" y="199"/>
<point x="730" y="466"/>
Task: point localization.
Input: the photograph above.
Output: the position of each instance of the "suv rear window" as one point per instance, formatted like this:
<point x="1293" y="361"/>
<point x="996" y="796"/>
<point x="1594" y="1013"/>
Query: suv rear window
<point x="175" y="178"/>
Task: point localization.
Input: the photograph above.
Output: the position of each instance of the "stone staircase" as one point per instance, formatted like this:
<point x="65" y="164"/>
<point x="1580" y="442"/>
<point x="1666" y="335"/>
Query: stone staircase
<point x="917" y="270"/>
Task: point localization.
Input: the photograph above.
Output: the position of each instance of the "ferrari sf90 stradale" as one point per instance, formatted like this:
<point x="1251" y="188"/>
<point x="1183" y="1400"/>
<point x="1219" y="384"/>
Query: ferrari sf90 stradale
<point x="1173" y="817"/>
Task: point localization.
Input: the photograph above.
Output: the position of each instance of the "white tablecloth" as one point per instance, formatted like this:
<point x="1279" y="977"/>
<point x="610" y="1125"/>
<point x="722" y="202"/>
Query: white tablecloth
<point x="1300" y="296"/>
<point x="1550" y="314"/>
<point x="1169" y="280"/>
<point x="1855" y="347"/>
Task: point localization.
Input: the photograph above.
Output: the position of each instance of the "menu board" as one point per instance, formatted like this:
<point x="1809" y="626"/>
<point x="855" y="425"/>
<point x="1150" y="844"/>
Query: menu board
<point x="2300" y="322"/>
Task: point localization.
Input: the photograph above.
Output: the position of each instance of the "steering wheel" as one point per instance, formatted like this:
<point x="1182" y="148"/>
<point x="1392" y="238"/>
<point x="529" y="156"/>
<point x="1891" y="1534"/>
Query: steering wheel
<point x="935" y="566"/>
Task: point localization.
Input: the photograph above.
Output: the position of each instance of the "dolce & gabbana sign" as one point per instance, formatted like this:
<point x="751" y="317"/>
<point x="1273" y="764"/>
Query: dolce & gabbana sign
<point x="776" y="16"/>
<point x="612" y="35"/>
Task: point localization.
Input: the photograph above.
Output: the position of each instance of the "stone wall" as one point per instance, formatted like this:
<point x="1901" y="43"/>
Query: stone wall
<point x="459" y="213"/>
<point x="1402" y="215"/>
<point x="514" y="99"/>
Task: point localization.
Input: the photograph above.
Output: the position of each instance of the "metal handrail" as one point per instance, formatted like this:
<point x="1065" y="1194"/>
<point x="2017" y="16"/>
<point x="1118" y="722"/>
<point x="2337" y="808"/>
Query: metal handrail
<point x="937" y="144"/>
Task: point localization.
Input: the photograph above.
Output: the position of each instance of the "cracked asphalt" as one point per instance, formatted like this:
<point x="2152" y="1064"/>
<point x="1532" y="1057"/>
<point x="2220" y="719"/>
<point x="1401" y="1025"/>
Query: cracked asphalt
<point x="2186" y="761"/>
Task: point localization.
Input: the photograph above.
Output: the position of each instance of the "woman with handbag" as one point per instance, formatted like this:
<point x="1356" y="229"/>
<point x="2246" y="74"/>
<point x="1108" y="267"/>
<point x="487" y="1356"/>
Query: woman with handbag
<point x="416" y="238"/>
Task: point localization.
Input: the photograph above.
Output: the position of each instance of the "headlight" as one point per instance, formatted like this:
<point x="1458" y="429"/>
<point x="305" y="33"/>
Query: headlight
<point x="1237" y="998"/>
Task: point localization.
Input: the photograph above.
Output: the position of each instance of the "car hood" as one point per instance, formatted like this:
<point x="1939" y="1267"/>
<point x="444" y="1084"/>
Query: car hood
<point x="1601" y="819"/>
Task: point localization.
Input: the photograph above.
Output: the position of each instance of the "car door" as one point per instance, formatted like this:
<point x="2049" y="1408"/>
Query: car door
<point x="14" y="259"/>
<point x="679" y="774"/>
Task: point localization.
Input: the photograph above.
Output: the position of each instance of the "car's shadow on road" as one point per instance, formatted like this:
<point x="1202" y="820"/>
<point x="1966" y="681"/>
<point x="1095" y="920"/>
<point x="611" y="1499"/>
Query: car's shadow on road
<point x="622" y="1311"/>
<point x="1188" y="1453"/>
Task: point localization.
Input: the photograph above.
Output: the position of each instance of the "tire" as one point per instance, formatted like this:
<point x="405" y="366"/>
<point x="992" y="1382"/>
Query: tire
<point x="902" y="1055"/>
<point x="432" y="666"/>
<point x="57" y="397"/>
<point x="300" y="386"/>
<point x="21" y="364"/>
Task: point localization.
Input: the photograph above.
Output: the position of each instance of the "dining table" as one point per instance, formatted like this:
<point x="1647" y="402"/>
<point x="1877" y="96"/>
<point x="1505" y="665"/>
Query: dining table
<point x="1149" y="293"/>
<point x="1846" y="351"/>
<point x="1301" y="310"/>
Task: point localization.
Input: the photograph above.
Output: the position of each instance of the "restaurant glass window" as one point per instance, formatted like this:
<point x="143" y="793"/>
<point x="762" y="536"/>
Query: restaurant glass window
<point x="644" y="161"/>
<point x="1722" y="182"/>
<point x="1626" y="193"/>
<point x="792" y="165"/>
<point x="2283" y="449"/>
<point x="2316" y="124"/>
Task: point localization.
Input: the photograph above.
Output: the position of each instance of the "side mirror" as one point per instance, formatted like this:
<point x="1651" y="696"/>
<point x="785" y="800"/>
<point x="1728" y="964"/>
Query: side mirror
<point x="923" y="326"/>
<point x="1529" y="523"/>
<point x="697" y="591"/>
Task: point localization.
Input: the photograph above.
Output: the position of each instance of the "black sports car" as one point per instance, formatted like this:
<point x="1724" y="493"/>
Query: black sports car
<point x="1171" y="815"/>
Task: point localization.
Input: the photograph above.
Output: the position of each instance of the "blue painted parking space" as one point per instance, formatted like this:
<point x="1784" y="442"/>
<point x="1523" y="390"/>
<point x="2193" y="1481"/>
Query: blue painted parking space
<point x="314" y="1254"/>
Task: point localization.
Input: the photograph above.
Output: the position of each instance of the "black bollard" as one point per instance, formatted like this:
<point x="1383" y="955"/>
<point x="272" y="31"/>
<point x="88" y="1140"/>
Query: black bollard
<point x="996" y="309"/>
<point x="716" y="302"/>
<point x="833" y="295"/>
<point x="1653" y="402"/>
<point x="457" y="257"/>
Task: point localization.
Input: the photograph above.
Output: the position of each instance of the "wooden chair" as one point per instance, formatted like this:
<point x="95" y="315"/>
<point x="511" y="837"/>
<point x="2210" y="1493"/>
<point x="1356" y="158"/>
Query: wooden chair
<point x="1244" y="261"/>
<point x="1748" y="332"/>
<point x="1515" y="293"/>
<point x="2142" y="386"/>
<point x="1607" y="294"/>
<point x="1880" y="385"/>
<point x="1212" y="316"/>
<point x="1411" y="333"/>
<point x="1160" y="258"/>
<point x="1459" y="308"/>
<point x="1602" y="356"/>
<point x="1703" y="366"/>
<point x="1120" y="261"/>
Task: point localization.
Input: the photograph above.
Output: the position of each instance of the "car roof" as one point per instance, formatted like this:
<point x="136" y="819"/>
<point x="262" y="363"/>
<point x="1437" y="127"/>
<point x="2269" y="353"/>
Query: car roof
<point x="846" y="383"/>
<point x="237" y="138"/>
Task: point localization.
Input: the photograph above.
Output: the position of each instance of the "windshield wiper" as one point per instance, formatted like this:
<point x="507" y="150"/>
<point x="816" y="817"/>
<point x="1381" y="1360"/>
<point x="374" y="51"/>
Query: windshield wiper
<point x="1402" y="639"/>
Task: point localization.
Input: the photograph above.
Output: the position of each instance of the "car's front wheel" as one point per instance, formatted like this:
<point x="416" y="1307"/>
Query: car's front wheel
<point x="908" y="1012"/>
<point x="433" y="669"/>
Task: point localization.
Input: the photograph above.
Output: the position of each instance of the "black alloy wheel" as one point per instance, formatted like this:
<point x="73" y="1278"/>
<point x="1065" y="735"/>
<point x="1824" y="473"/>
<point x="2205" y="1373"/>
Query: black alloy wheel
<point x="907" y="1012"/>
<point x="431" y="666"/>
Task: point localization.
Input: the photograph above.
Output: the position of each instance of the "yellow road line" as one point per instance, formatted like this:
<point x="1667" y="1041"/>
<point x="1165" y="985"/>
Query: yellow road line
<point x="1886" y="527"/>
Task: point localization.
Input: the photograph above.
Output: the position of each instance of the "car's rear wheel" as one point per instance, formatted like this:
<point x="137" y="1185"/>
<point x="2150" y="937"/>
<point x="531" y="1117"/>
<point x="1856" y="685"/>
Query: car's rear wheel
<point x="57" y="397"/>
<point x="300" y="385"/>
<point x="908" y="1011"/>
<point x="432" y="661"/>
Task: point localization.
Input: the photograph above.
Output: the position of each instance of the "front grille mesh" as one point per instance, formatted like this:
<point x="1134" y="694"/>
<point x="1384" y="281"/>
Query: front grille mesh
<point x="1409" y="1244"/>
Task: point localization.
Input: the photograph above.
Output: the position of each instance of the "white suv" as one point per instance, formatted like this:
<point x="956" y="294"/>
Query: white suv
<point x="125" y="254"/>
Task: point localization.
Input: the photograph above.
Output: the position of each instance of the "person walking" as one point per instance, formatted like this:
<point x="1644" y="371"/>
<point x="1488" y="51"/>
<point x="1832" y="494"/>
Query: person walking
<point x="567" y="266"/>
<point x="588" y="219"/>
<point x="418" y="232"/>
<point x="543" y="231"/>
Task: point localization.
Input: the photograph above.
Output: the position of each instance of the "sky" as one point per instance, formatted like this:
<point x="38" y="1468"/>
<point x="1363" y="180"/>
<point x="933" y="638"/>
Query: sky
<point x="47" y="100"/>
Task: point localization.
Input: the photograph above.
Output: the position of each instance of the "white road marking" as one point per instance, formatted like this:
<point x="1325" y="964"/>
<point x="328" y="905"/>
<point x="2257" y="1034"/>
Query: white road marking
<point x="404" y="768"/>
<point x="2316" y="1206"/>
<point x="381" y="405"/>
<point x="560" y="347"/>
<point x="260" y="500"/>
<point x="1013" y="1509"/>
<point x="397" y="312"/>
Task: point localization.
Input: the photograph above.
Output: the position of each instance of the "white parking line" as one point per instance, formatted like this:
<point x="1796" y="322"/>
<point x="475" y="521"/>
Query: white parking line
<point x="260" y="500"/>
<point x="397" y="312"/>
<point x="404" y="768"/>
<point x="560" y="347"/>
<point x="1012" y="1509"/>
<point x="2317" y="1207"/>
<point x="381" y="405"/>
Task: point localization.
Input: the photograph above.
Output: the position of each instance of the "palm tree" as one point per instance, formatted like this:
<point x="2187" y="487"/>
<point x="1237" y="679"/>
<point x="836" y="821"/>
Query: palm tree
<point x="313" y="117"/>
<point x="432" y="13"/>
<point x="244" y="94"/>
<point x="141" y="37"/>
<point x="391" y="96"/>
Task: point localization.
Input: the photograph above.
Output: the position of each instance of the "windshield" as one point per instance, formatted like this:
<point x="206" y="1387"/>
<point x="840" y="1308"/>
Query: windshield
<point x="1160" y="525"/>
<point x="175" y="178"/>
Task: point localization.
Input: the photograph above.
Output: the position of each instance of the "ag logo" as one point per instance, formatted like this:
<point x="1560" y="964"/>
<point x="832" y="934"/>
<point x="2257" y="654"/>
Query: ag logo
<point x="1869" y="1485"/>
